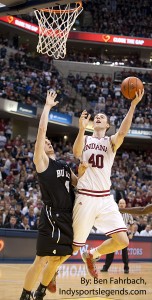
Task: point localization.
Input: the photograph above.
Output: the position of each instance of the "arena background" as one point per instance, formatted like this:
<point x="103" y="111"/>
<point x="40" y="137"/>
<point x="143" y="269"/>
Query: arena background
<point x="93" y="52"/>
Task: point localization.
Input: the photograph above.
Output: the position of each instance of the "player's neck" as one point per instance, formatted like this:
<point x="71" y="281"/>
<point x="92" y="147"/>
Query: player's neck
<point x="99" y="134"/>
<point x="52" y="156"/>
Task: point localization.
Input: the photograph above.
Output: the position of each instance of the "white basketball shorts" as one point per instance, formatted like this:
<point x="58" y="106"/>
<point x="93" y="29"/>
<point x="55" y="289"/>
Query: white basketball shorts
<point x="101" y="212"/>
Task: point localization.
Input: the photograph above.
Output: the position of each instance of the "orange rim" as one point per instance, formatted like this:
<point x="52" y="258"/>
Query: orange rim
<point x="58" y="11"/>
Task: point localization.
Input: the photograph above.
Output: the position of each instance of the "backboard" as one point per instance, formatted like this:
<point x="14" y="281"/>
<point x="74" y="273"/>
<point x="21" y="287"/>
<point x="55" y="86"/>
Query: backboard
<point x="15" y="7"/>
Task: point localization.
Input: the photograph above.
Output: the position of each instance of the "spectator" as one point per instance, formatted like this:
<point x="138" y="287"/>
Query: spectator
<point x="142" y="223"/>
<point x="135" y="230"/>
<point x="12" y="224"/>
<point x="147" y="231"/>
<point x="2" y="140"/>
<point x="9" y="215"/>
<point x="31" y="216"/>
<point x="24" y="224"/>
<point x="36" y="224"/>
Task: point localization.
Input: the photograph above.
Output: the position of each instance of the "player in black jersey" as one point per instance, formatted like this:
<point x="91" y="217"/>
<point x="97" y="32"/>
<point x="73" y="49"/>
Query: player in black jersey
<point x="55" y="233"/>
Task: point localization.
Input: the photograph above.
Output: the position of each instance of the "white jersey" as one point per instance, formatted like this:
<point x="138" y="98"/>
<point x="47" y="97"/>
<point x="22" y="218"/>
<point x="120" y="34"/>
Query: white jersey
<point x="98" y="153"/>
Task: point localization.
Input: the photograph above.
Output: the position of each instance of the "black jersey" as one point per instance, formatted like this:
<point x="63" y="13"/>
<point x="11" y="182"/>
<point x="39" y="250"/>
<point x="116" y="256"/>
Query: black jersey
<point x="55" y="185"/>
<point x="55" y="234"/>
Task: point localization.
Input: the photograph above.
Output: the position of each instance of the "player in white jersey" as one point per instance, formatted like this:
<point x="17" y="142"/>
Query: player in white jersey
<point x="94" y="206"/>
<point x="100" y="156"/>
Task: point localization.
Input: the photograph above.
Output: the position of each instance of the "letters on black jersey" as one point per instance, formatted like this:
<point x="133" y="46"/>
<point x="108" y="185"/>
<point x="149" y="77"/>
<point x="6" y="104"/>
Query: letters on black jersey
<point x="62" y="173"/>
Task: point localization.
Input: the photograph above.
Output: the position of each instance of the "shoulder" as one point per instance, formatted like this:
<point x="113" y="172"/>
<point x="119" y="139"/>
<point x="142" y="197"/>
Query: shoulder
<point x="86" y="137"/>
<point x="41" y="168"/>
<point x="63" y="164"/>
<point x="107" y="138"/>
<point x="42" y="163"/>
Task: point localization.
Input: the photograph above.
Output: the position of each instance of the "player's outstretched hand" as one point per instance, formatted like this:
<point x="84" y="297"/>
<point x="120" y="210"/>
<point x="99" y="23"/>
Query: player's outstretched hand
<point x="138" y="97"/>
<point x="51" y="95"/>
<point x="84" y="120"/>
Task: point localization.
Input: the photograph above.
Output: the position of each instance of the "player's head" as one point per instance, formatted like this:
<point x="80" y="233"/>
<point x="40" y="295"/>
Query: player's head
<point x="101" y="121"/>
<point x="48" y="148"/>
<point x="122" y="203"/>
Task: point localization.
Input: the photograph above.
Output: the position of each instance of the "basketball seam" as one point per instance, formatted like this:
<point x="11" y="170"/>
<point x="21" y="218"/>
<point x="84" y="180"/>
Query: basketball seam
<point x="136" y="87"/>
<point x="128" y="89"/>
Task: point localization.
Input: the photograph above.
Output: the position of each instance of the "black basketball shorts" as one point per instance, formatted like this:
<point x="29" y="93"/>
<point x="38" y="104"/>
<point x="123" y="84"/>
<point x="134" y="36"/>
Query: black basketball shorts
<point x="55" y="233"/>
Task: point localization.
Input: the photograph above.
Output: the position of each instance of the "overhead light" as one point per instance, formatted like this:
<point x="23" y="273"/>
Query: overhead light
<point x="96" y="63"/>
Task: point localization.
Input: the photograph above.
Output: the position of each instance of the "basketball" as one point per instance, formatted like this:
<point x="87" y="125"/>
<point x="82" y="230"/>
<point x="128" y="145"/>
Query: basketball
<point x="130" y="86"/>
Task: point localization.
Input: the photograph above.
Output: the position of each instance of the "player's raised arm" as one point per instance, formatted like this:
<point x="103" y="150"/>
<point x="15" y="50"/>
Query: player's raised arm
<point x="79" y="142"/>
<point x="118" y="138"/>
<point x="39" y="154"/>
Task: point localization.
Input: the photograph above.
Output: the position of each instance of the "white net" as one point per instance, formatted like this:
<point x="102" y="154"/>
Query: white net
<point x="54" y="27"/>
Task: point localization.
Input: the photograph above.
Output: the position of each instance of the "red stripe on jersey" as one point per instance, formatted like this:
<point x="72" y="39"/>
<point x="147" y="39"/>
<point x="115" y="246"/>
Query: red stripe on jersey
<point x="94" y="191"/>
<point x="94" y="195"/>
<point x="115" y="231"/>
<point x="78" y="244"/>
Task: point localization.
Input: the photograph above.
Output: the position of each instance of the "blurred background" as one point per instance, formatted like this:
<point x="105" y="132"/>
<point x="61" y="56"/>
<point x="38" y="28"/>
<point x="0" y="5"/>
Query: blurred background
<point x="109" y="41"/>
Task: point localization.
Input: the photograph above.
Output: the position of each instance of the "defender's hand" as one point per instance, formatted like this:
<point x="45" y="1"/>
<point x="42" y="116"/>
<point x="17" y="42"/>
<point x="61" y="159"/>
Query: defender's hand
<point x="84" y="120"/>
<point x="51" y="95"/>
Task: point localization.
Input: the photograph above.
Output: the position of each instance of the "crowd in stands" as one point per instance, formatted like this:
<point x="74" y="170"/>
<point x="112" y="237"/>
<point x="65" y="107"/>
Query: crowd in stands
<point x="24" y="82"/>
<point x="43" y="62"/>
<point x="20" y="197"/>
<point x="22" y="78"/>
<point x="104" y="95"/>
<point x="129" y="18"/>
<point x="129" y="60"/>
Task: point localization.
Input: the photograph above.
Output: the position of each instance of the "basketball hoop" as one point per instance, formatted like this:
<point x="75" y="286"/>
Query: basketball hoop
<point x="54" y="26"/>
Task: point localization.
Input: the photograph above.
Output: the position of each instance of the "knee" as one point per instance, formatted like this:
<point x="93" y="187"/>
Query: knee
<point x="121" y="239"/>
<point x="124" y="242"/>
<point x="55" y="260"/>
<point x="40" y="261"/>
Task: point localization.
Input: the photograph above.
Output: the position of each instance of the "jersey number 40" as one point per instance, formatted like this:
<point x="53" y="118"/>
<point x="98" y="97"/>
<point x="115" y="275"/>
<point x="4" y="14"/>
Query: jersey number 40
<point x="96" y="160"/>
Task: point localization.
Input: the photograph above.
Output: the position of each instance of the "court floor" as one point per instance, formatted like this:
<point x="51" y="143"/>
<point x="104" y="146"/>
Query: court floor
<point x="74" y="282"/>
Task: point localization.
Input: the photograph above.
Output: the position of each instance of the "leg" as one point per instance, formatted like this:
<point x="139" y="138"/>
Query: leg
<point x="32" y="276"/>
<point x="75" y="248"/>
<point x="34" y="272"/>
<point x="82" y="221"/>
<point x="125" y="259"/>
<point x="63" y="259"/>
<point x="109" y="221"/>
<point x="118" y="241"/>
<point x="108" y="262"/>
<point x="50" y="269"/>
<point x="52" y="284"/>
<point x="47" y="275"/>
